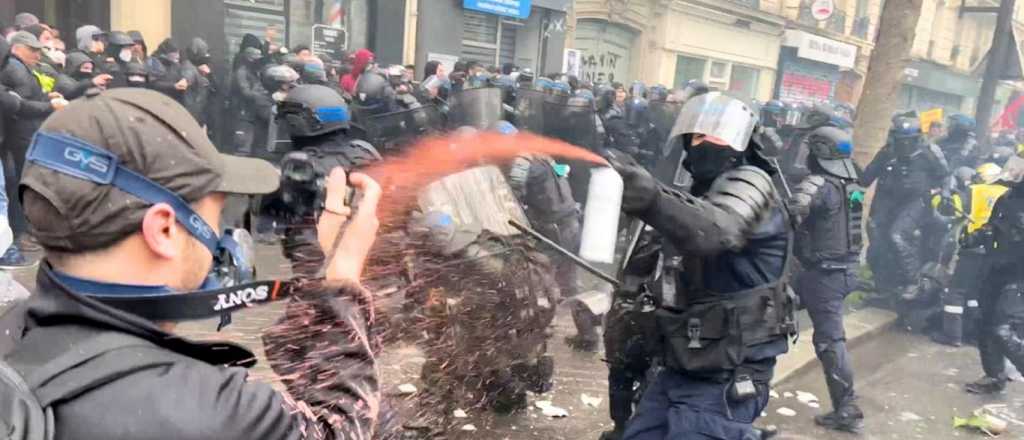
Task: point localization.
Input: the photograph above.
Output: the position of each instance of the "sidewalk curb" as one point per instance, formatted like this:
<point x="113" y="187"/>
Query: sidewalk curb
<point x="861" y="326"/>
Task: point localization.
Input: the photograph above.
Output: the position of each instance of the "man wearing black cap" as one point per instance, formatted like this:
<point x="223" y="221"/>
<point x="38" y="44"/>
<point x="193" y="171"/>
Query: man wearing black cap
<point x="125" y="192"/>
<point x="17" y="75"/>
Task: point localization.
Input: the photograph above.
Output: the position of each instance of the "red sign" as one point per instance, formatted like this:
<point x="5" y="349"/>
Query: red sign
<point x="807" y="89"/>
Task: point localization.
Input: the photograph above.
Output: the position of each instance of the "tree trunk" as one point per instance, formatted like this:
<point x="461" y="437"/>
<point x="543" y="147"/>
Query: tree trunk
<point x="897" y="27"/>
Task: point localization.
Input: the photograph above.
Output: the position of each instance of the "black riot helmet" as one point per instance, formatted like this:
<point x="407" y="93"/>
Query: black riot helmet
<point x="959" y="126"/>
<point x="819" y="115"/>
<point x="831" y="149"/>
<point x="773" y="114"/>
<point x="605" y="97"/>
<point x="906" y="135"/>
<point x="691" y="89"/>
<point x="373" y="92"/>
<point x="278" y="77"/>
<point x="657" y="93"/>
<point x="638" y="90"/>
<point x="313" y="110"/>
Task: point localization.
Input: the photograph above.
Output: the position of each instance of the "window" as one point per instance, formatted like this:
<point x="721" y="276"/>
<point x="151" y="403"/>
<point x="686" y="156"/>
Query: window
<point x="689" y="68"/>
<point x="488" y="39"/>
<point x="720" y="75"/>
<point x="743" y="81"/>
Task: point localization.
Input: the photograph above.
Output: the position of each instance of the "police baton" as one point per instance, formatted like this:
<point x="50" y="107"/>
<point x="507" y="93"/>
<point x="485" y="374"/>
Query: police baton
<point x="575" y="258"/>
<point x="782" y="177"/>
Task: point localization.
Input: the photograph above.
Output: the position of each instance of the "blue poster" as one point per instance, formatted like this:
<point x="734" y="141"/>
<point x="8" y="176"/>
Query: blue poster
<point x="509" y="8"/>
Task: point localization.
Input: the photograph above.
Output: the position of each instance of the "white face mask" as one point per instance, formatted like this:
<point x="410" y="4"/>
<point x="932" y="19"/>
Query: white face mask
<point x="57" y="56"/>
<point x="125" y="55"/>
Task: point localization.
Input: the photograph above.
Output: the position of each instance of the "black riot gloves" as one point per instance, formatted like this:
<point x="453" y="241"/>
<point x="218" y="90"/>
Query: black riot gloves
<point x="640" y="188"/>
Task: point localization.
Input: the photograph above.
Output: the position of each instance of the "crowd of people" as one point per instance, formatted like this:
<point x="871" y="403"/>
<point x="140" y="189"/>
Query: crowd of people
<point x="117" y="170"/>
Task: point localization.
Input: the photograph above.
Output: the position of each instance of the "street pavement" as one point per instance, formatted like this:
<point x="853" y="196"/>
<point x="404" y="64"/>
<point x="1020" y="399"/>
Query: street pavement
<point x="910" y="388"/>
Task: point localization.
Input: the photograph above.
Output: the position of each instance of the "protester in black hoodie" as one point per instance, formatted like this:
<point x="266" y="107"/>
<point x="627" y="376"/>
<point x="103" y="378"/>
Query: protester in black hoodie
<point x="195" y="68"/>
<point x="165" y="72"/>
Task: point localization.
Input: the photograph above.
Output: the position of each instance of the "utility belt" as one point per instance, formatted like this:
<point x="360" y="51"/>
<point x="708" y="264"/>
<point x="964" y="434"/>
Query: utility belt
<point x="713" y="336"/>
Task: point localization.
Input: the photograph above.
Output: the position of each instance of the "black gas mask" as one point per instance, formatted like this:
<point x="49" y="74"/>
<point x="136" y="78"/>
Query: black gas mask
<point x="706" y="161"/>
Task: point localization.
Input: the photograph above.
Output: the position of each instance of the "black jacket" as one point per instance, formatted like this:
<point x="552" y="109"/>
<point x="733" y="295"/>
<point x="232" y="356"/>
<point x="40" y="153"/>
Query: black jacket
<point x="200" y="89"/>
<point x="163" y="75"/>
<point x="35" y="105"/>
<point x="249" y="100"/>
<point x="320" y="349"/>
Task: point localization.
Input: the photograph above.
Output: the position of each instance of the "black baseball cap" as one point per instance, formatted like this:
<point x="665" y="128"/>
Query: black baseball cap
<point x="150" y="134"/>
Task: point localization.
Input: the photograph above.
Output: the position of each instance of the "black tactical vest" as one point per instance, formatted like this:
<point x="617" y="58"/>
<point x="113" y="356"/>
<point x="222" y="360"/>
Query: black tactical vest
<point x="709" y="333"/>
<point x="837" y="237"/>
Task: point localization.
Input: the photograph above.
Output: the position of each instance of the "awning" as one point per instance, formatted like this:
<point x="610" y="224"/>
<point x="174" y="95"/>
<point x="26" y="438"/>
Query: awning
<point x="821" y="49"/>
<point x="940" y="78"/>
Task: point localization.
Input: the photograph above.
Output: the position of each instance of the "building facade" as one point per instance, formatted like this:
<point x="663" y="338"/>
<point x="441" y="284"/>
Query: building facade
<point x="529" y="35"/>
<point x="759" y="49"/>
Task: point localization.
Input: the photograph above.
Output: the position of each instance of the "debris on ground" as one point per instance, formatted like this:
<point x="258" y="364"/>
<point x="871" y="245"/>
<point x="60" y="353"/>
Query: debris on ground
<point x="469" y="427"/>
<point x="592" y="402"/>
<point x="907" y="416"/>
<point x="783" y="411"/>
<point x="550" y="410"/>
<point x="984" y="420"/>
<point x="406" y="389"/>
<point x="806" y="398"/>
<point x="459" y="414"/>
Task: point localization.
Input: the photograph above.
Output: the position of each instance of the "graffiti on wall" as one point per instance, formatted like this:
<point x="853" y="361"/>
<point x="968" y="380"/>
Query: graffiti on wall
<point x="601" y="67"/>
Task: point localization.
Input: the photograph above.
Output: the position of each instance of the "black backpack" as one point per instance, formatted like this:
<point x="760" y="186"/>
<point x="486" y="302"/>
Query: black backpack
<point x="28" y="394"/>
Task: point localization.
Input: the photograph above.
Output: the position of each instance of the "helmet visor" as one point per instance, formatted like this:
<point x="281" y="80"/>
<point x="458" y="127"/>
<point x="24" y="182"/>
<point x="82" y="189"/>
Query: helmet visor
<point x="718" y="117"/>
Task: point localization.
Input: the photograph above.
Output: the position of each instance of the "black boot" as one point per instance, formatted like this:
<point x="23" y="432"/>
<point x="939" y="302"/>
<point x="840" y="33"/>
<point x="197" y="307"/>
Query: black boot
<point x="612" y="434"/>
<point x="987" y="385"/>
<point x="848" y="419"/>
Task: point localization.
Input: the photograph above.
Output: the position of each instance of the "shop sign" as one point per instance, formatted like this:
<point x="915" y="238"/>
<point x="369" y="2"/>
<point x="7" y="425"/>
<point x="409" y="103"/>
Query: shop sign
<point x="509" y="8"/>
<point x="330" y="41"/>
<point x="813" y="47"/>
<point x="571" y="62"/>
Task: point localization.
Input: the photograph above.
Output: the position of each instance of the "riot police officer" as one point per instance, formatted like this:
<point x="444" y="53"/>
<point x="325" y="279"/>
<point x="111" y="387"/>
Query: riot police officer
<point x="959" y="145"/>
<point x="318" y="121"/>
<point x="730" y="232"/>
<point x="908" y="169"/>
<point x="1002" y="298"/>
<point x="828" y="204"/>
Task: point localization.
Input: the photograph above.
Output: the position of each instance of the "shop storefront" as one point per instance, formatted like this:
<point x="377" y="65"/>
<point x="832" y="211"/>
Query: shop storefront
<point x="526" y="33"/>
<point x="731" y="50"/>
<point x="811" y="67"/>
<point x="928" y="85"/>
<point x="605" y="50"/>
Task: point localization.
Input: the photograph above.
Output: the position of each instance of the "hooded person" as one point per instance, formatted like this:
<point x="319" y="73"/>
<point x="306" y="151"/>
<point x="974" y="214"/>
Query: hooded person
<point x="90" y="40"/>
<point x="116" y="56"/>
<point x="195" y="68"/>
<point x="249" y="41"/>
<point x="363" y="59"/>
<point x="165" y="74"/>
<point x="78" y="76"/>
<point x="139" y="49"/>
<point x="250" y="101"/>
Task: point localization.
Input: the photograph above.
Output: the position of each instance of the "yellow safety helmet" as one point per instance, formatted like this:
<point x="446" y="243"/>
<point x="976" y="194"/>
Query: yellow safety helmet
<point x="989" y="173"/>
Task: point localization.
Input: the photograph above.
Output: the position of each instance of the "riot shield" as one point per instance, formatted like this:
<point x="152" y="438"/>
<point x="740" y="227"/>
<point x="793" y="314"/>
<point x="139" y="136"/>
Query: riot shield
<point x="572" y="120"/>
<point x="663" y="115"/>
<point x="530" y="110"/>
<point x="478" y="198"/>
<point x="389" y="131"/>
<point x="480" y="108"/>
